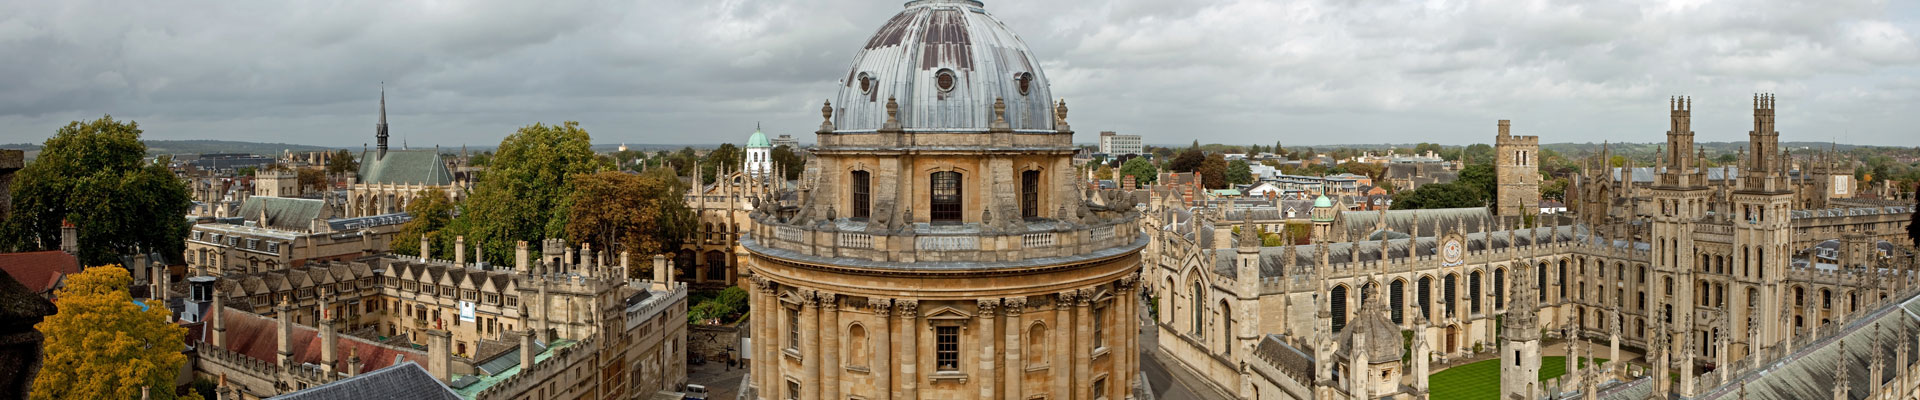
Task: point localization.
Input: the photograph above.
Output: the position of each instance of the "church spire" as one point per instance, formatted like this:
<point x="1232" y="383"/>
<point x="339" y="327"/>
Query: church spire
<point x="380" y="131"/>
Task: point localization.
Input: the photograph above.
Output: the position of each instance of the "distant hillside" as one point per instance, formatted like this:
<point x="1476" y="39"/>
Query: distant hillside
<point x="158" y="147"/>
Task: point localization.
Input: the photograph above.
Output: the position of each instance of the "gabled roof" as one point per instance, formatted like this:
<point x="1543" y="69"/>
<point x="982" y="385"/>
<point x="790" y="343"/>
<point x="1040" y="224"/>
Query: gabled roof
<point x="40" y="271"/>
<point x="283" y="212"/>
<point x="257" y="336"/>
<point x="403" y="381"/>
<point x="404" y="167"/>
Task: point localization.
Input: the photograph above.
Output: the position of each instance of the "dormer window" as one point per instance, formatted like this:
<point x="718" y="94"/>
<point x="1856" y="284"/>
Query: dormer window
<point x="866" y="83"/>
<point x="1023" y="81"/>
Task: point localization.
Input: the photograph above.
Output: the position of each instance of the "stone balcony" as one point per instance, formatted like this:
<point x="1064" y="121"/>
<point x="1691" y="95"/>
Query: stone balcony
<point x="854" y="242"/>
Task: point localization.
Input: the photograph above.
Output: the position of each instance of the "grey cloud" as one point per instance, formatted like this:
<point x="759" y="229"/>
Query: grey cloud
<point x="1236" y="71"/>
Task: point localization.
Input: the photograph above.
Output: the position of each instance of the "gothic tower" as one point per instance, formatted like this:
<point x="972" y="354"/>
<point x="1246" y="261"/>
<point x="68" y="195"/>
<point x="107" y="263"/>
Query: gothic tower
<point x="1520" y="338"/>
<point x="380" y="130"/>
<point x="1761" y="231"/>
<point x="1517" y="170"/>
<point x="1680" y="194"/>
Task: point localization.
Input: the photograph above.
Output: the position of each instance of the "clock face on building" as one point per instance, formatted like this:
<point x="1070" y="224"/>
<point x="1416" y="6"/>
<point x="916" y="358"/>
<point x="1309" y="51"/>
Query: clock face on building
<point x="1451" y="251"/>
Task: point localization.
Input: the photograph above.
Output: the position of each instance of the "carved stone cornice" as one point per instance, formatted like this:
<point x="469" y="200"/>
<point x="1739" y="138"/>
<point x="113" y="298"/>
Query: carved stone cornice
<point x="1085" y="297"/>
<point x="906" y="308"/>
<point x="1014" y="305"/>
<point x="1065" y="298"/>
<point x="763" y="284"/>
<point x="880" y="306"/>
<point x="986" y="306"/>
<point x="809" y="297"/>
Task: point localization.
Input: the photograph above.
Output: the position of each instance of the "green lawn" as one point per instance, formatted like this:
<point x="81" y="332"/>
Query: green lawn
<point x="1481" y="380"/>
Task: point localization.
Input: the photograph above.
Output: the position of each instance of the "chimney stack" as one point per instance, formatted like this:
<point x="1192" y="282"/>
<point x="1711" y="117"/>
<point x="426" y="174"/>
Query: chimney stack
<point x="329" y="338"/>
<point x="662" y="274"/>
<point x="426" y="252"/>
<point x="285" y="320"/>
<point x="353" y="361"/>
<point x="520" y="257"/>
<point x="439" y="352"/>
<point x="219" y="321"/>
<point x="460" y="250"/>
<point x="526" y="349"/>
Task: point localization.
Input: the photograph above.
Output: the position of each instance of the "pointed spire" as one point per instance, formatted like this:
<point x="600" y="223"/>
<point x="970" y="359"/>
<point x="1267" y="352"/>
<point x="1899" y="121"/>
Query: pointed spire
<point x="380" y="131"/>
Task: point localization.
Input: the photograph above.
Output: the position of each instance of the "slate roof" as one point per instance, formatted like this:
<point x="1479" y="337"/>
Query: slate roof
<point x="1273" y="259"/>
<point x="403" y="381"/>
<point x="283" y="212"/>
<point x="404" y="167"/>
<point x="257" y="336"/>
<point x="40" y="271"/>
<point x="1809" y="373"/>
<point x="1433" y="222"/>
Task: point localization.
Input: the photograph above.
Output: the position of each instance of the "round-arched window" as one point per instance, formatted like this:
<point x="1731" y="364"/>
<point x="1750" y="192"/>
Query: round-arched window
<point x="944" y="80"/>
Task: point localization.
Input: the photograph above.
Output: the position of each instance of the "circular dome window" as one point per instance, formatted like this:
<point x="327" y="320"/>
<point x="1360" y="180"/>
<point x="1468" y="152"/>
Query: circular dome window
<point x="944" y="80"/>
<point x="866" y="83"/>
<point x="1024" y="81"/>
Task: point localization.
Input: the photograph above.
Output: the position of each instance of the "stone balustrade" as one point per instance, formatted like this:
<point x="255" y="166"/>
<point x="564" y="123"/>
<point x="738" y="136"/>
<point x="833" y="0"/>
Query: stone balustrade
<point x="969" y="242"/>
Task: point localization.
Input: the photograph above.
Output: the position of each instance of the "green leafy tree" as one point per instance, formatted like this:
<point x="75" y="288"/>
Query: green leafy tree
<point x="1239" y="173"/>
<point x="726" y="157"/>
<point x="1188" y="160"/>
<point x="639" y="213"/>
<point x="92" y="174"/>
<point x="103" y="346"/>
<point x="1142" y="171"/>
<point x="342" y="163"/>
<point x="431" y="212"/>
<point x="785" y="158"/>
<point x="1475" y="188"/>
<point x="1478" y="153"/>
<point x="313" y="179"/>
<point x="525" y="194"/>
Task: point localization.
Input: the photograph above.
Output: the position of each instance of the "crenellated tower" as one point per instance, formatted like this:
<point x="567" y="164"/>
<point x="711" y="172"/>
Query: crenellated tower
<point x="1761" y="218"/>
<point x="1517" y="170"/>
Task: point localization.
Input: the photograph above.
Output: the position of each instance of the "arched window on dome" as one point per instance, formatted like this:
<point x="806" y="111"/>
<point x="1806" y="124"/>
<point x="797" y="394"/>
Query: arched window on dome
<point x="945" y="201"/>
<point x="862" y="194"/>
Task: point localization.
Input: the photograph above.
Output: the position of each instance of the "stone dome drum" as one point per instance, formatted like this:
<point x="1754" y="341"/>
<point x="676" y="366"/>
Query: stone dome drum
<point x="944" y="62"/>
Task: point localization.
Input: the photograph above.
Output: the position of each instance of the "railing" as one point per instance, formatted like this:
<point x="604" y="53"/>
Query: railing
<point x="855" y="240"/>
<point x="789" y="233"/>
<point x="1036" y="240"/>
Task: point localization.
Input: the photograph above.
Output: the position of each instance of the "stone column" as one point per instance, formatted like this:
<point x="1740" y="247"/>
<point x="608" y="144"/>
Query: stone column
<point x="909" y="337"/>
<point x="882" y="367"/>
<point x="810" y="344"/>
<point x="1082" y="351"/>
<point x="830" y="346"/>
<point x="988" y="356"/>
<point x="1127" y="325"/>
<point x="1015" y="365"/>
<point x="1062" y="346"/>
<point x="766" y="342"/>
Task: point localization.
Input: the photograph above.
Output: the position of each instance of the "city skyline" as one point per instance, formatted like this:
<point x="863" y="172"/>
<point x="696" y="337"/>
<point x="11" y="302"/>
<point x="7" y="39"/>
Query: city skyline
<point x="1217" y="71"/>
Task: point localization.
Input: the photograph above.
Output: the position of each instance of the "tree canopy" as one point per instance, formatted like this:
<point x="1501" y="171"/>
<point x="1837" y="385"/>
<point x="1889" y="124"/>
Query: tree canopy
<point x="1213" y="171"/>
<point x="103" y="346"/>
<point x="1142" y="171"/>
<point x="726" y="157"/>
<point x="1188" y="160"/>
<point x="525" y="194"/>
<point x="94" y="175"/>
<point x="639" y="213"/>
<point x="431" y="212"/>
<point x="785" y="158"/>
<point x="342" y="163"/>
<point x="1475" y="188"/>
<point x="1239" y="173"/>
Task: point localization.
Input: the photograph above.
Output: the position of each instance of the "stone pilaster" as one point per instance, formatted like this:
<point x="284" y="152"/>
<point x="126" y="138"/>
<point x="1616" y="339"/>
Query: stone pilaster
<point x="988" y="357"/>
<point x="1062" y="346"/>
<point x="810" y="344"/>
<point x="909" y="338"/>
<point x="830" y="343"/>
<point x="1015" y="367"/>
<point x="1083" y="352"/>
<point x="882" y="368"/>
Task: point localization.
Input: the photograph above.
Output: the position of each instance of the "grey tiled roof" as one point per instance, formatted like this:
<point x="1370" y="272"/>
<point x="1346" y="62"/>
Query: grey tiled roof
<point x="283" y="212"/>
<point x="401" y="381"/>
<point x="404" y="167"/>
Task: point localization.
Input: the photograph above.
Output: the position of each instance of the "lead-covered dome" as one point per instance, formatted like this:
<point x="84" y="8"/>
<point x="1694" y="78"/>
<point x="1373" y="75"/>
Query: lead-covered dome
<point x="944" y="62"/>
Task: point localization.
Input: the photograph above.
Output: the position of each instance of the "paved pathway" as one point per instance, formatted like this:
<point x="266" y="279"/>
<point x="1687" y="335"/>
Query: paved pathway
<point x="721" y="382"/>
<point x="1164" y="383"/>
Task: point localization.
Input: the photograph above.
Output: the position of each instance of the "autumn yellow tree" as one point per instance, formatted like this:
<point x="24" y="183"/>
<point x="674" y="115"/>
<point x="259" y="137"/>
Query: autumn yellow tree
<point x="639" y="213"/>
<point x="103" y="346"/>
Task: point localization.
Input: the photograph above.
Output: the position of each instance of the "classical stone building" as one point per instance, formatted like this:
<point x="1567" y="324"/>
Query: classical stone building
<point x="487" y="332"/>
<point x="275" y="233"/>
<point x="390" y="179"/>
<point x="1701" y="269"/>
<point x="939" y="245"/>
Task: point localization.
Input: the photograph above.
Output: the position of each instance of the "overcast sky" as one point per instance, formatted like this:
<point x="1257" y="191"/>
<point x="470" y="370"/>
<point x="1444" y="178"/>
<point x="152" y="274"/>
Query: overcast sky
<point x="1243" y="72"/>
